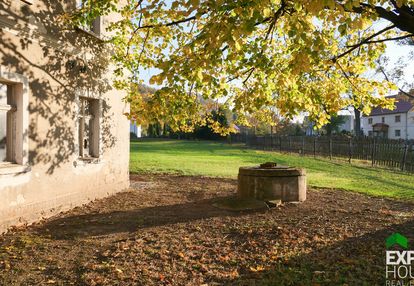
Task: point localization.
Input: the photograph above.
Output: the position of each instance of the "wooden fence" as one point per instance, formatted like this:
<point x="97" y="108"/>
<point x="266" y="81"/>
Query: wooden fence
<point x="380" y="152"/>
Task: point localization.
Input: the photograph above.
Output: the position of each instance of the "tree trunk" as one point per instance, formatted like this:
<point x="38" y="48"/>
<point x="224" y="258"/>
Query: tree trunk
<point x="357" y="122"/>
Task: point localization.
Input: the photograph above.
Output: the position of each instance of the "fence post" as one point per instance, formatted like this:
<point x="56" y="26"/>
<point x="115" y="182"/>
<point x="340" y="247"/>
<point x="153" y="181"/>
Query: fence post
<point x="271" y="141"/>
<point x="404" y="158"/>
<point x="362" y="140"/>
<point x="303" y="145"/>
<point x="330" y="148"/>
<point x="290" y="144"/>
<point x="280" y="143"/>
<point x="350" y="150"/>
<point x="373" y="152"/>
<point x="314" y="146"/>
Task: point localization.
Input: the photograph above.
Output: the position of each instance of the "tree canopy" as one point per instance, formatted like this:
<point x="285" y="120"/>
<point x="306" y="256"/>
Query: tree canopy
<point x="257" y="57"/>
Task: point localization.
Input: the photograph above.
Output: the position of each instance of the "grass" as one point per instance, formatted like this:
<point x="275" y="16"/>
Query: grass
<point x="223" y="160"/>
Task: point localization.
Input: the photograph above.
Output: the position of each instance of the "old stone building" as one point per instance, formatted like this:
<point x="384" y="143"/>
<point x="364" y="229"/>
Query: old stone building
<point x="63" y="138"/>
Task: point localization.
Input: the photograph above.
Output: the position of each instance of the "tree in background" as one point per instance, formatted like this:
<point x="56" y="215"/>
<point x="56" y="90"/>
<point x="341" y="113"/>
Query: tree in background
<point x="254" y="56"/>
<point x="279" y="126"/>
<point x="139" y="98"/>
<point x="206" y="132"/>
<point x="287" y="127"/>
<point x="334" y="125"/>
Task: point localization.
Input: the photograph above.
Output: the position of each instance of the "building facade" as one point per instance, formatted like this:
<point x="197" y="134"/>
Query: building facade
<point x="63" y="137"/>
<point x="393" y="124"/>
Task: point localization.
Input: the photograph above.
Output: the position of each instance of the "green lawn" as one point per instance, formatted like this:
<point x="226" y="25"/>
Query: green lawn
<point x="223" y="160"/>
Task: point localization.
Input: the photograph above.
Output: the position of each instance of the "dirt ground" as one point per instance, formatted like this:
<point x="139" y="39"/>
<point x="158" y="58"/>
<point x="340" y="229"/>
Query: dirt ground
<point x="166" y="231"/>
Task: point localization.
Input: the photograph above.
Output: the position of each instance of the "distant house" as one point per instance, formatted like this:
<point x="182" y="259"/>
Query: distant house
<point x="135" y="129"/>
<point x="393" y="124"/>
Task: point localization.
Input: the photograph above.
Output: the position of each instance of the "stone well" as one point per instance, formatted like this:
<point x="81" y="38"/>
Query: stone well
<point x="269" y="182"/>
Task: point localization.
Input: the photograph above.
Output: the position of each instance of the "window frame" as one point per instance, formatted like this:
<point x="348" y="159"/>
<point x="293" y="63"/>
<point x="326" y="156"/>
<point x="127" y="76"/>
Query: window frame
<point x="399" y="133"/>
<point x="18" y="154"/>
<point x="10" y="109"/>
<point x="399" y="118"/>
<point x="96" y="141"/>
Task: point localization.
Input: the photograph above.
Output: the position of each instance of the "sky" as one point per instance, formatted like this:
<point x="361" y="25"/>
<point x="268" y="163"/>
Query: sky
<point x="395" y="51"/>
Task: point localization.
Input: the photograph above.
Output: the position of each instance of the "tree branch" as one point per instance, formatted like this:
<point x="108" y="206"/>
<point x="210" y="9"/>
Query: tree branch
<point x="249" y="75"/>
<point x="143" y="47"/>
<point x="363" y="42"/>
<point x="158" y="25"/>
<point x="347" y="77"/>
<point x="383" y="40"/>
<point x="401" y="17"/>
<point x="138" y="4"/>
<point x="173" y="23"/>
<point x="387" y="79"/>
<point x="279" y="13"/>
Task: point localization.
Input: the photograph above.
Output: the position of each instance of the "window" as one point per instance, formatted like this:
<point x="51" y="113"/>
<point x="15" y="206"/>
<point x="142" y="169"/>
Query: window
<point x="95" y="26"/>
<point x="88" y="128"/>
<point x="14" y="123"/>
<point x="369" y="120"/>
<point x="383" y="119"/>
<point x="6" y="124"/>
<point x="397" y="133"/>
<point x="398" y="118"/>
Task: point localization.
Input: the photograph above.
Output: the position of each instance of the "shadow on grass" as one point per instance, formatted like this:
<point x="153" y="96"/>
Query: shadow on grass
<point x="88" y="225"/>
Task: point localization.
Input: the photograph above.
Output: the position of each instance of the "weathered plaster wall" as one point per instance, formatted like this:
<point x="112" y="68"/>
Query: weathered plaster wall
<point x="406" y="124"/>
<point x="34" y="46"/>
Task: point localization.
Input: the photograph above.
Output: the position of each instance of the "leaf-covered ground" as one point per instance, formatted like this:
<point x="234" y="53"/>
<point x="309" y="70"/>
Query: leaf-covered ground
<point x="166" y="231"/>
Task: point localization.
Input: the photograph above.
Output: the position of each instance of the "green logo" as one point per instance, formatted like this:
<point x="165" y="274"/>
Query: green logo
<point x="396" y="238"/>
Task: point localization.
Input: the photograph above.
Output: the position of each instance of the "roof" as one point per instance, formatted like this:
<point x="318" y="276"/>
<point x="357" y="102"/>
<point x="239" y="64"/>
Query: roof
<point x="401" y="106"/>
